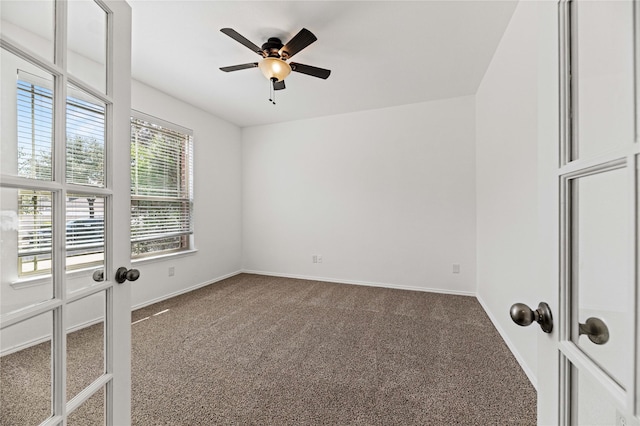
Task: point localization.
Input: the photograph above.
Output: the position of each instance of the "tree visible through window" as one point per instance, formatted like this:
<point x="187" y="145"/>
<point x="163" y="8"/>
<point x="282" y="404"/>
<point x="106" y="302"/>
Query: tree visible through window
<point x="161" y="187"/>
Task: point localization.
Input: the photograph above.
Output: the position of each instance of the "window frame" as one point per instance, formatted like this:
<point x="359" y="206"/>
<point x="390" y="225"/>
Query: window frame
<point x="187" y="238"/>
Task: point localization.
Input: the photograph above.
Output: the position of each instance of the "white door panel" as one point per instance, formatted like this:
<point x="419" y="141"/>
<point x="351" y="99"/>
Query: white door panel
<point x="64" y="203"/>
<point x="589" y="213"/>
<point x="602" y="53"/>
<point x="601" y="273"/>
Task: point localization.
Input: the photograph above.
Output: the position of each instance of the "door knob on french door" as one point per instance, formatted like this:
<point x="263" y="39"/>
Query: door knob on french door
<point x="523" y="315"/>
<point x="123" y="274"/>
<point x="595" y="329"/>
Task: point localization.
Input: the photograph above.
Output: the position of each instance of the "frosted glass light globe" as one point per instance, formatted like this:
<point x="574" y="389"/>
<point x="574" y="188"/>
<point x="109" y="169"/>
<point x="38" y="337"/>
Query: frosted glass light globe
<point x="274" y="68"/>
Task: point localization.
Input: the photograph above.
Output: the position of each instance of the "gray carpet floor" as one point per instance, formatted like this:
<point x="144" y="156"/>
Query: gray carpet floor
<point x="256" y="350"/>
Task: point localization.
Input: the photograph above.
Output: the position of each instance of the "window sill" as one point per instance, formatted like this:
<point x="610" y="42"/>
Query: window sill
<point x="161" y="257"/>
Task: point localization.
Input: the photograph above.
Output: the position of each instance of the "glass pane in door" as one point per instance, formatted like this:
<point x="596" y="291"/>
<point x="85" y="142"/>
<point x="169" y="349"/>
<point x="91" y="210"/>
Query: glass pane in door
<point x="592" y="404"/>
<point x="603" y="75"/>
<point x="25" y="243"/>
<point x="85" y="233"/>
<point x="85" y="342"/>
<point x="85" y="150"/>
<point x="91" y="413"/>
<point x="30" y="23"/>
<point x="25" y="371"/>
<point x="27" y="119"/>
<point x="601" y="272"/>
<point x="87" y="43"/>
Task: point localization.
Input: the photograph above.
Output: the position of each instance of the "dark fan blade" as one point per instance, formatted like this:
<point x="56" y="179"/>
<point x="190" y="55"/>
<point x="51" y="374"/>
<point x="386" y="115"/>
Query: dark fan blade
<point x="239" y="67"/>
<point x="242" y="40"/>
<point x="278" y="85"/>
<point x="297" y="43"/>
<point x="309" y="70"/>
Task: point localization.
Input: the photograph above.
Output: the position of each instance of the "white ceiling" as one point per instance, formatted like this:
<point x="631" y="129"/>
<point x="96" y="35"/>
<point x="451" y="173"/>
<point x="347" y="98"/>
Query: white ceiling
<point x="381" y="54"/>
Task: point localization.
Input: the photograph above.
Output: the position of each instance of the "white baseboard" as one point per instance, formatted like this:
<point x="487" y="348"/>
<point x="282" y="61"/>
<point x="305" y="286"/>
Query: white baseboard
<point x="184" y="290"/>
<point x="365" y="283"/>
<point x="532" y="377"/>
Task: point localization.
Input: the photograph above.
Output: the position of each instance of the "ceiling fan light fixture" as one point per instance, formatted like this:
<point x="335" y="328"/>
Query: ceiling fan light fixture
<point x="274" y="68"/>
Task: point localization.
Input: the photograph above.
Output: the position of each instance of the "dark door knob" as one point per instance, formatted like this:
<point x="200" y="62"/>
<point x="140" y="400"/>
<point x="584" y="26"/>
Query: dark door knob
<point x="98" y="275"/>
<point x="595" y="329"/>
<point x="523" y="315"/>
<point x="123" y="274"/>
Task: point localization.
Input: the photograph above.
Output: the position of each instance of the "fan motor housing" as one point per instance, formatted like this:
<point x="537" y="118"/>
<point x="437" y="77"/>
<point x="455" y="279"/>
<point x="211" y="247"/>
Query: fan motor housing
<point x="272" y="47"/>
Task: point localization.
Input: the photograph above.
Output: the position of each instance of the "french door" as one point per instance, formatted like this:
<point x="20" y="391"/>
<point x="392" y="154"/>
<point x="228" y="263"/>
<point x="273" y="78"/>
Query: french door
<point x="64" y="205"/>
<point x="589" y="367"/>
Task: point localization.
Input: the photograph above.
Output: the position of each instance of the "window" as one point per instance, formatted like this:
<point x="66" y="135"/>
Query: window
<point x="161" y="187"/>
<point x="161" y="180"/>
<point x="85" y="124"/>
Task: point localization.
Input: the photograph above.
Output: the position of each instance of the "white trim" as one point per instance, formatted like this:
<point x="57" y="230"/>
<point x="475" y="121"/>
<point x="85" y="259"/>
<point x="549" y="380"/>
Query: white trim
<point x="37" y="80"/>
<point x="512" y="347"/>
<point x="52" y="421"/>
<point x="88" y="392"/>
<point x="185" y="290"/>
<point x="13" y="46"/>
<point x="15" y="317"/>
<point x="584" y="364"/>
<point x="365" y="283"/>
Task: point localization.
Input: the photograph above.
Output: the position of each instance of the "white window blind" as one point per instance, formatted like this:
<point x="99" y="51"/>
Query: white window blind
<point x="34" y="231"/>
<point x="161" y="186"/>
<point x="35" y="127"/>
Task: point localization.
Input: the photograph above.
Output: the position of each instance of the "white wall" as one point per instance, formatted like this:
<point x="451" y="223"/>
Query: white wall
<point x="385" y="196"/>
<point x="507" y="183"/>
<point x="217" y="201"/>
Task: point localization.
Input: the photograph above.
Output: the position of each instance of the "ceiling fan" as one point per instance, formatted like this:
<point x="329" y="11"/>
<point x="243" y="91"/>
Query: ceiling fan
<point x="275" y="54"/>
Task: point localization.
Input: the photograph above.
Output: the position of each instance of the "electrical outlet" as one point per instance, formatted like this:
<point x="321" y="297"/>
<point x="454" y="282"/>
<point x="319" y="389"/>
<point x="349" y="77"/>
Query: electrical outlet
<point x="172" y="271"/>
<point x="456" y="268"/>
<point x="319" y="258"/>
<point x="314" y="258"/>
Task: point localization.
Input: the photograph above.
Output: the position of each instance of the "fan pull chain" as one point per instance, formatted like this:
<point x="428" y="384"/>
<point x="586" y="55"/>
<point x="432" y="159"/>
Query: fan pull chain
<point x="272" y="91"/>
